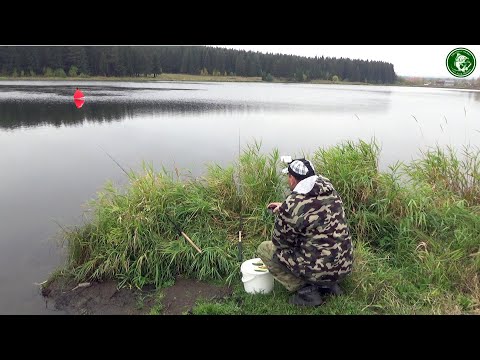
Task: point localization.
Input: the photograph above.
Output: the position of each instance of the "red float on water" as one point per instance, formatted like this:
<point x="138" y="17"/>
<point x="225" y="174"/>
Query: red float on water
<point x="79" y="102"/>
<point x="78" y="94"/>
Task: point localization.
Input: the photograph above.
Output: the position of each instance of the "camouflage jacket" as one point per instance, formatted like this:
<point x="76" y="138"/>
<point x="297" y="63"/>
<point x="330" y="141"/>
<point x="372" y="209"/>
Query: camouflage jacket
<point x="311" y="235"/>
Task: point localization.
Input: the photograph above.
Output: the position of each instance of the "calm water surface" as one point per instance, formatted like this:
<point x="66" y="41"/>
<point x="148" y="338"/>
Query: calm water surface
<point x="51" y="162"/>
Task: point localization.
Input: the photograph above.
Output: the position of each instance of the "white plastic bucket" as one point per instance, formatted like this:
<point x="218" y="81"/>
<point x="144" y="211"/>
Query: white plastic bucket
<point x="256" y="282"/>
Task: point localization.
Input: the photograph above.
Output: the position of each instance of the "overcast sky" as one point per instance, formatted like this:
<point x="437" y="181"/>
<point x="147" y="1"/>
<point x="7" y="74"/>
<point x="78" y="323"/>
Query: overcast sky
<point x="408" y="60"/>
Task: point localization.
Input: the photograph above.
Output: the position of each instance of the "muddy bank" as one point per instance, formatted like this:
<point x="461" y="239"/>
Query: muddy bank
<point x="103" y="298"/>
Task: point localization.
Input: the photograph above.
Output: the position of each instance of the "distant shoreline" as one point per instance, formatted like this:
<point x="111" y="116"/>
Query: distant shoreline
<point x="210" y="78"/>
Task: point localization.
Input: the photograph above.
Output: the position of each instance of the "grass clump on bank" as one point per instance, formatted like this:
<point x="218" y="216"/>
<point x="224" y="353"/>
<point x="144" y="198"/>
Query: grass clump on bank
<point x="129" y="237"/>
<point x="416" y="230"/>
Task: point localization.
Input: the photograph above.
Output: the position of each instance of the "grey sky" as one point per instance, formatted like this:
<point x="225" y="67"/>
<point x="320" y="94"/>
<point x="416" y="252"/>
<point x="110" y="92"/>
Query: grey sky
<point x="408" y="60"/>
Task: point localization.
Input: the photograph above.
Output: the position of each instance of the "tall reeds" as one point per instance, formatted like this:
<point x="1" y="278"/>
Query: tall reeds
<point x="416" y="227"/>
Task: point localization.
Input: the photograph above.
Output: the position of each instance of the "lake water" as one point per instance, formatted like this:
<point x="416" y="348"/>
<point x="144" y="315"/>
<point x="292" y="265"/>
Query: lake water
<point x="52" y="162"/>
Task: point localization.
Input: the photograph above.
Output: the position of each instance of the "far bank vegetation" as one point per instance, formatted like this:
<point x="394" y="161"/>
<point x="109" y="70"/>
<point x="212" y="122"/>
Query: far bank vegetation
<point x="211" y="62"/>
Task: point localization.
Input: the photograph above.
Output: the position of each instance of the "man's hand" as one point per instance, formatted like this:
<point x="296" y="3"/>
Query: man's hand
<point x="274" y="206"/>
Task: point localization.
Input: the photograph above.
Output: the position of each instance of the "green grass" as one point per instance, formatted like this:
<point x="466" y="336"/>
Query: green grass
<point x="416" y="230"/>
<point x="157" y="307"/>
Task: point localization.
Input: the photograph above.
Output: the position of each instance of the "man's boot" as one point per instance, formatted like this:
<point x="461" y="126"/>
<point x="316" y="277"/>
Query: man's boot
<point x="330" y="289"/>
<point x="307" y="296"/>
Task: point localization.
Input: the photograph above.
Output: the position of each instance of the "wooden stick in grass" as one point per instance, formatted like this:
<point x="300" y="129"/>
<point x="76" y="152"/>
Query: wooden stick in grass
<point x="191" y="242"/>
<point x="183" y="234"/>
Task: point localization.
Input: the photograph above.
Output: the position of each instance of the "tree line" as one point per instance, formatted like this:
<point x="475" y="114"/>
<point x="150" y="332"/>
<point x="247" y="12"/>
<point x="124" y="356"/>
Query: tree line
<point x="62" y="61"/>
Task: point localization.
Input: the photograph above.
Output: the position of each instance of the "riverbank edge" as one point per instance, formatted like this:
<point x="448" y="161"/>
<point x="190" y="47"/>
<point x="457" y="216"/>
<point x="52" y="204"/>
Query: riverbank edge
<point x="63" y="294"/>
<point x="210" y="79"/>
<point x="184" y="77"/>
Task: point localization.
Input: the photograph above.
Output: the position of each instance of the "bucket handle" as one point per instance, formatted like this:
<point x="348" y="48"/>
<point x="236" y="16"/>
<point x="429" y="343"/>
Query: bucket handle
<point x="247" y="277"/>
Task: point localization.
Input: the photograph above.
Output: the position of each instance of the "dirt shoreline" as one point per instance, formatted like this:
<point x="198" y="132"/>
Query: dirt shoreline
<point x="104" y="298"/>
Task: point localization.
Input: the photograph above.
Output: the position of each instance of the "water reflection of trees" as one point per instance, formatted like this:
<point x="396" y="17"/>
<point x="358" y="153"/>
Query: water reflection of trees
<point x="15" y="113"/>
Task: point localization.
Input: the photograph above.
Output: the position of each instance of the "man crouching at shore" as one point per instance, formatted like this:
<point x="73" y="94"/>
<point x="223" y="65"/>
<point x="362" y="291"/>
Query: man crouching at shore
<point x="311" y="249"/>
